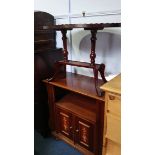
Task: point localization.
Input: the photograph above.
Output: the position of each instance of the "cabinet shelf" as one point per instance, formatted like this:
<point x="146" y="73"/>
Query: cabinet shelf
<point x="77" y="83"/>
<point x="78" y="105"/>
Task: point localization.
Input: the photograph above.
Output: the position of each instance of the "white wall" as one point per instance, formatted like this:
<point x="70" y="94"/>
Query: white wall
<point x="54" y="7"/>
<point x="77" y="6"/>
<point x="108" y="47"/>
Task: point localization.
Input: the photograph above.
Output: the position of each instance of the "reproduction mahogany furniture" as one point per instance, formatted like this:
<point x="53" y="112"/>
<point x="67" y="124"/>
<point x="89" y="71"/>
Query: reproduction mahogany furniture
<point x="112" y="115"/>
<point x="76" y="112"/>
<point x="93" y="28"/>
<point x="45" y="56"/>
<point x="76" y="102"/>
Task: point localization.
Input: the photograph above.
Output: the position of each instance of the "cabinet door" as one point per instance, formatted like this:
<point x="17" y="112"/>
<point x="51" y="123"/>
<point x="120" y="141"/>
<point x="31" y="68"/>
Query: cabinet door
<point x="65" y="123"/>
<point x="84" y="133"/>
<point x="113" y="128"/>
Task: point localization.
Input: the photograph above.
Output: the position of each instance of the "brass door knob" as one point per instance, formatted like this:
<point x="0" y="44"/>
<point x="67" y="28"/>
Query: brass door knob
<point x="111" y="97"/>
<point x="77" y="130"/>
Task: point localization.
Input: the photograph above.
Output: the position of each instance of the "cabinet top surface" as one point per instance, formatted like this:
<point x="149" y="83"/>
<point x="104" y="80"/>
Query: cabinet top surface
<point x="113" y="85"/>
<point x="77" y="83"/>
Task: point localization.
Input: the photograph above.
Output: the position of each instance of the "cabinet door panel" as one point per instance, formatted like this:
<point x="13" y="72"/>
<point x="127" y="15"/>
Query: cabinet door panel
<point x="65" y="123"/>
<point x="84" y="134"/>
<point x="113" y="128"/>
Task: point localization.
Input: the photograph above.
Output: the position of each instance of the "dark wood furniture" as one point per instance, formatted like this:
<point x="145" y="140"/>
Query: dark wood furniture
<point x="76" y="112"/>
<point x="96" y="67"/>
<point x="45" y="56"/>
<point x="43" y="39"/>
<point x="76" y="102"/>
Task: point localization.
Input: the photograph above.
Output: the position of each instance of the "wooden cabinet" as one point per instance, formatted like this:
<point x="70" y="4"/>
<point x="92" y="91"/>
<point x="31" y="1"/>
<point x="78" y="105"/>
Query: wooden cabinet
<point x="76" y="112"/>
<point x="75" y="121"/>
<point x="75" y="128"/>
<point x="112" y="116"/>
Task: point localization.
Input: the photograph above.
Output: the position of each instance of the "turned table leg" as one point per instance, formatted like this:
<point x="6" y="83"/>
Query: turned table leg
<point x="93" y="44"/>
<point x="92" y="60"/>
<point x="64" y="38"/>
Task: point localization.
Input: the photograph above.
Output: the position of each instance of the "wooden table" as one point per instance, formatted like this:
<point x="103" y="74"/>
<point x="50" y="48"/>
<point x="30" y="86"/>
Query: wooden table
<point x="93" y="28"/>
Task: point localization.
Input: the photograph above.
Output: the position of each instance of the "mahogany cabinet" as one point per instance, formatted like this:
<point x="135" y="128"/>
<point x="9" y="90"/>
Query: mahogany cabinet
<point x="76" y="128"/>
<point x="76" y="112"/>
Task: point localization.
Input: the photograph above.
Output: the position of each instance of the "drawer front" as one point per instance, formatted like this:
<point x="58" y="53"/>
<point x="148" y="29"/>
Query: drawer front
<point x="113" y="131"/>
<point x="114" y="104"/>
